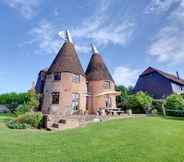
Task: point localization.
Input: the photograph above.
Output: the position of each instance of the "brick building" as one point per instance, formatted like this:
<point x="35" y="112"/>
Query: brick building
<point x="66" y="89"/>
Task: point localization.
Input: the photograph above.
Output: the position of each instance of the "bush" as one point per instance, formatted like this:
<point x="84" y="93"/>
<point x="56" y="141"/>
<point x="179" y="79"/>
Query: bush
<point x="140" y="102"/>
<point x="157" y="104"/>
<point x="175" y="103"/>
<point x="22" y="109"/>
<point x="154" y="112"/>
<point x="31" y="118"/>
<point x="32" y="104"/>
<point x="12" y="124"/>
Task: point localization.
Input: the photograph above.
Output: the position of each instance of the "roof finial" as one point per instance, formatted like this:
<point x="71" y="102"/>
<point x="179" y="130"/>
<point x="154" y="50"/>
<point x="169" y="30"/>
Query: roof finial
<point x="94" y="49"/>
<point x="68" y="36"/>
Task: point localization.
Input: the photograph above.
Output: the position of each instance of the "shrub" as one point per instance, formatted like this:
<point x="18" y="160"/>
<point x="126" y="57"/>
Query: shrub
<point x="140" y="102"/>
<point x="32" y="104"/>
<point x="154" y="112"/>
<point x="175" y="103"/>
<point x="31" y="118"/>
<point x="12" y="124"/>
<point x="157" y="104"/>
<point x="22" y="109"/>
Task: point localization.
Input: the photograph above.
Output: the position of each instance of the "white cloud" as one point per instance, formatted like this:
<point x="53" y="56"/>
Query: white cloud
<point x="45" y="36"/>
<point x="97" y="28"/>
<point x="159" y="6"/>
<point x="101" y="29"/>
<point x="48" y="39"/>
<point x="167" y="46"/>
<point x="26" y="8"/>
<point x="125" y="76"/>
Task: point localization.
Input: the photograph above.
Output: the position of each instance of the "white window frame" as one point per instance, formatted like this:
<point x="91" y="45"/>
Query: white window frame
<point x="107" y="84"/>
<point x="75" y="102"/>
<point x="76" y="78"/>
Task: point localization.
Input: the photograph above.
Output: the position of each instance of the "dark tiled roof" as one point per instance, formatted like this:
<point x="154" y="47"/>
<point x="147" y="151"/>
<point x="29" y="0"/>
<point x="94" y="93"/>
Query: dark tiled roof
<point x="97" y="70"/>
<point x="67" y="61"/>
<point x="164" y="74"/>
<point x="41" y="81"/>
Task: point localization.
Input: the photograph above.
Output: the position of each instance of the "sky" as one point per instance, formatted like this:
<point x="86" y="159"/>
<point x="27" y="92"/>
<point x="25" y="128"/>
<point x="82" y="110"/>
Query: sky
<point x="131" y="35"/>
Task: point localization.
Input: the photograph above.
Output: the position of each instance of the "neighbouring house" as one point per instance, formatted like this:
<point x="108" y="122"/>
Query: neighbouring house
<point x="159" y="84"/>
<point x="66" y="89"/>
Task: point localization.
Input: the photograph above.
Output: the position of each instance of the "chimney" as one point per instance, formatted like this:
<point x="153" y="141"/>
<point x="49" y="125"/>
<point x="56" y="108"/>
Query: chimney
<point x="178" y="76"/>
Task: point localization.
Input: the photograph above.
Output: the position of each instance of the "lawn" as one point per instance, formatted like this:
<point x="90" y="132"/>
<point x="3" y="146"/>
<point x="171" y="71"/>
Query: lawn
<point x="152" y="139"/>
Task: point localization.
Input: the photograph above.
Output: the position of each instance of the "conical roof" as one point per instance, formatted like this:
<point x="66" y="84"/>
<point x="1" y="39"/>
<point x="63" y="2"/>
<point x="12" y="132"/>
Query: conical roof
<point x="97" y="69"/>
<point x="67" y="59"/>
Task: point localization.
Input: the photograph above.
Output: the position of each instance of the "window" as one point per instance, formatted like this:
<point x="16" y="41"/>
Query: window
<point x="57" y="76"/>
<point x="76" y="78"/>
<point x="177" y="88"/>
<point x="107" y="84"/>
<point x="55" y="98"/>
<point x="108" y="101"/>
<point x="75" y="102"/>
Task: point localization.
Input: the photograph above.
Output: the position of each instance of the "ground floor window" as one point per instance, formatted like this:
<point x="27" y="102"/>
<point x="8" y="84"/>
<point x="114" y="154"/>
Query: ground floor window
<point x="108" y="101"/>
<point x="55" y="98"/>
<point x="75" y="101"/>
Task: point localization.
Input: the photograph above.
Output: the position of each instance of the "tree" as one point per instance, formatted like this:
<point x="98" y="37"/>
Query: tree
<point x="140" y="102"/>
<point x="13" y="100"/>
<point x="174" y="105"/>
<point x="122" y="100"/>
<point x="31" y="105"/>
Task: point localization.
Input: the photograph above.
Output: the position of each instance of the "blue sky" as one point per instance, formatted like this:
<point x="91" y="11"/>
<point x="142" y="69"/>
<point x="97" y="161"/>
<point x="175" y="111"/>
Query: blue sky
<point x="131" y="35"/>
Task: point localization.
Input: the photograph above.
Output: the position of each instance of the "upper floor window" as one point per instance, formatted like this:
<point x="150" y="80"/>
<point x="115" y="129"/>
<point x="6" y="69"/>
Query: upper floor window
<point x="177" y="88"/>
<point x="55" y="98"/>
<point x="76" y="78"/>
<point x="107" y="84"/>
<point x="57" y="76"/>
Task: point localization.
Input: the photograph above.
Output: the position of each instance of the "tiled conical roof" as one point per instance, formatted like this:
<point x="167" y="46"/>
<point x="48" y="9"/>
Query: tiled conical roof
<point x="97" y="69"/>
<point x="67" y="59"/>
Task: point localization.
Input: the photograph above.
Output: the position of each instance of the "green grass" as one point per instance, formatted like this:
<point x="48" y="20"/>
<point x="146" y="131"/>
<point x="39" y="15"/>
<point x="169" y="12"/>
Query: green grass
<point x="152" y="139"/>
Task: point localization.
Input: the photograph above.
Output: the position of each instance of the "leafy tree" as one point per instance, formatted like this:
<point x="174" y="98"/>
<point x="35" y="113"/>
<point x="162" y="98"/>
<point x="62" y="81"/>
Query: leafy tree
<point x="31" y="105"/>
<point x="13" y="100"/>
<point x="140" y="102"/>
<point x="122" y="100"/>
<point x="174" y="102"/>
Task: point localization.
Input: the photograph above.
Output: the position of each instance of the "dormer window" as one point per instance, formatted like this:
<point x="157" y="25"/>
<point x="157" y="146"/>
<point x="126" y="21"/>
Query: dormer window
<point x="76" y="78"/>
<point x="107" y="84"/>
<point x="57" y="76"/>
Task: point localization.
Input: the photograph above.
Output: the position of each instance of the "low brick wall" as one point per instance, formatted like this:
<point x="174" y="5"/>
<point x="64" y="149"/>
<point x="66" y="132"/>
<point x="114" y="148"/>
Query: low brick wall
<point x="60" y="122"/>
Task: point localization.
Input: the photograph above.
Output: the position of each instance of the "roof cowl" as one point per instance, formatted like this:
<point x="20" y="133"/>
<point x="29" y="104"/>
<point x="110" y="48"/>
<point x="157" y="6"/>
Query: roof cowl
<point x="68" y="36"/>
<point x="94" y="49"/>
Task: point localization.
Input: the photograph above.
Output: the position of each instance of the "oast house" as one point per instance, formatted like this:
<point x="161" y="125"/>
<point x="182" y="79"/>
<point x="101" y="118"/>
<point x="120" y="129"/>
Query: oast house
<point x="67" y="89"/>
